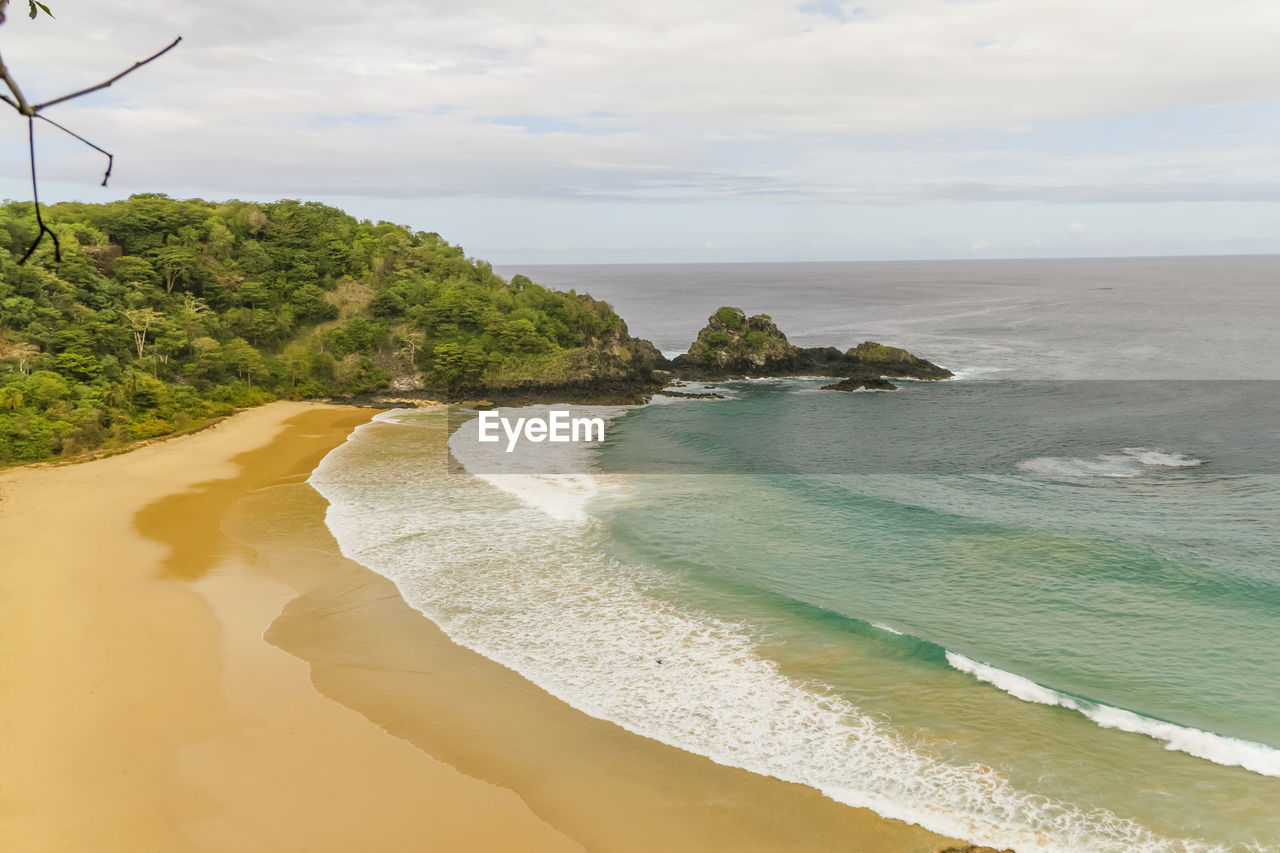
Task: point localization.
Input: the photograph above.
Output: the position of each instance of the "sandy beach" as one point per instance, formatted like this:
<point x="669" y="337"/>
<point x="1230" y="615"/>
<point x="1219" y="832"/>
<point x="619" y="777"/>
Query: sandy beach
<point x="189" y="663"/>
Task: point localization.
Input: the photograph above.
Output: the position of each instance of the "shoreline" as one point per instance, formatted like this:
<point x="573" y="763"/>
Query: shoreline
<point x="141" y="707"/>
<point x="144" y="712"/>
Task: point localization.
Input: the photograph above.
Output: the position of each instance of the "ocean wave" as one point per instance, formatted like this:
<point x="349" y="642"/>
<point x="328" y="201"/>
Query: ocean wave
<point x="1228" y="751"/>
<point x="537" y="591"/>
<point x="1130" y="462"/>
<point x="960" y="374"/>
<point x="555" y="479"/>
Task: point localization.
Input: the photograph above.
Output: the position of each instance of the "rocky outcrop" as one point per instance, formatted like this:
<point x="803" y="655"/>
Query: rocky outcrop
<point x="619" y="369"/>
<point x="861" y="384"/>
<point x="733" y="345"/>
<point x="691" y="396"/>
<point x="585" y="392"/>
<point x="614" y="369"/>
<point x="895" y="362"/>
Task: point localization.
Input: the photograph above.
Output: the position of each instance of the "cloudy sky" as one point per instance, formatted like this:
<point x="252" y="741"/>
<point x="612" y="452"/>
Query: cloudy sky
<point x="533" y="131"/>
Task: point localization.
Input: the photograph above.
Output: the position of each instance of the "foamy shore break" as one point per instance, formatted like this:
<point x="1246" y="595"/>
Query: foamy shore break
<point x="191" y="664"/>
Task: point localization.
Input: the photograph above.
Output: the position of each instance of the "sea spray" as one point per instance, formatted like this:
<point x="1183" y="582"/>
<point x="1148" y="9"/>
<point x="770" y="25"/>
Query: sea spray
<point x="1130" y="462"/>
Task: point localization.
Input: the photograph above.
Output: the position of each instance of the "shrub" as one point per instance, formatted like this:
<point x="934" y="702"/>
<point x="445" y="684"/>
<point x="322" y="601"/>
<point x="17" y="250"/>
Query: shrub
<point x="731" y="318"/>
<point x="718" y="339"/>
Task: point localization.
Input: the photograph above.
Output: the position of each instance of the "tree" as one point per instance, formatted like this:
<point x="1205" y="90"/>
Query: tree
<point x="208" y="358"/>
<point x="20" y="352"/>
<point x="455" y="363"/>
<point x="297" y="361"/>
<point x="410" y="344"/>
<point x="134" y="270"/>
<point x="10" y="398"/>
<point x="140" y="321"/>
<point x="78" y="365"/>
<point x="191" y="315"/>
<point x="114" y="397"/>
<point x="175" y="263"/>
<point x="242" y="357"/>
<point x="310" y="304"/>
<point x="168" y="341"/>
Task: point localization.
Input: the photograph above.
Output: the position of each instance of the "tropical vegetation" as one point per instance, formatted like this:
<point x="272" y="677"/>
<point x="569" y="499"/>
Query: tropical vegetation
<point x="165" y="313"/>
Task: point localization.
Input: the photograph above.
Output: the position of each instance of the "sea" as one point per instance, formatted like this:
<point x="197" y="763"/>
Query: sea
<point x="1036" y="606"/>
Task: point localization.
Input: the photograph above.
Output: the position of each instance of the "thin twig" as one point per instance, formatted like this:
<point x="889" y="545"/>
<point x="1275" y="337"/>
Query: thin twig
<point x="104" y="85"/>
<point x="19" y="103"/>
<point x="35" y="197"/>
<point x="21" y="106"/>
<point x="110" y="158"/>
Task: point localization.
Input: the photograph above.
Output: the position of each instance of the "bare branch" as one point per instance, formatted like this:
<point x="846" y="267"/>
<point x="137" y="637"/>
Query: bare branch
<point x="110" y="157"/>
<point x="35" y="198"/>
<point x="19" y="102"/>
<point x="107" y="83"/>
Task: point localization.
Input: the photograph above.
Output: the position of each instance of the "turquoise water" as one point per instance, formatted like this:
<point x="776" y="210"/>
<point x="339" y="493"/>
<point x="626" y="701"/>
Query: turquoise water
<point x="1065" y="577"/>
<point x="1035" y="613"/>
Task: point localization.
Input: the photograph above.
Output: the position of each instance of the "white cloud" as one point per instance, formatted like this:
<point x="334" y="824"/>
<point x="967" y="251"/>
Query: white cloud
<point x="891" y="102"/>
<point x="1076" y="228"/>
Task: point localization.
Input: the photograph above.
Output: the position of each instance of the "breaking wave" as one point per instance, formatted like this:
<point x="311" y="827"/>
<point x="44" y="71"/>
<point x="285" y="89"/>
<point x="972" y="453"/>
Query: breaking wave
<point x="1228" y="751"/>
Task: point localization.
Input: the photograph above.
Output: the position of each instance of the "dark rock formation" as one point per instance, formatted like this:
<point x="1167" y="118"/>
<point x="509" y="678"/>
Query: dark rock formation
<point x="861" y="384"/>
<point x="733" y="345"/>
<point x="690" y="395"/>
<point x="894" y="361"/>
<point x="585" y="392"/>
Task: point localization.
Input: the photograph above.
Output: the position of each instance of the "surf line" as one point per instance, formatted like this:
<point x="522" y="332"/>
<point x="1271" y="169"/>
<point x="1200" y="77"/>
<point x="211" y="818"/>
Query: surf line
<point x="558" y="426"/>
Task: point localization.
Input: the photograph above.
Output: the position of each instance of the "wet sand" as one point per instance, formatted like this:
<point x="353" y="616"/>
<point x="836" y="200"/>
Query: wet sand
<point x="189" y="663"/>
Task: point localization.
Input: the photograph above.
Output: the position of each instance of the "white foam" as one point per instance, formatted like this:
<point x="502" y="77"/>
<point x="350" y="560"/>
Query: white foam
<point x="692" y="387"/>
<point x="1130" y="462"/>
<point x="1228" y="751"/>
<point x="887" y="628"/>
<point x="555" y="479"/>
<point x="959" y="374"/>
<point x="1161" y="459"/>
<point x="543" y="598"/>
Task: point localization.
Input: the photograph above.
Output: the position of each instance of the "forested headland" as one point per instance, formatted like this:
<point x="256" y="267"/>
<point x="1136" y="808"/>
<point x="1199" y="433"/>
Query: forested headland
<point x="166" y="313"/>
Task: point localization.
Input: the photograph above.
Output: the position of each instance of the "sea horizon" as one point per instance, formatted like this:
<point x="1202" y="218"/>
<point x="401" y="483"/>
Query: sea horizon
<point x="511" y="267"/>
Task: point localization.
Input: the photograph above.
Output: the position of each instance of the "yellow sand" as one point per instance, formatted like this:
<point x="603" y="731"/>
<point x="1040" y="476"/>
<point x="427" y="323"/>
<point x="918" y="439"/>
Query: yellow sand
<point x="142" y="708"/>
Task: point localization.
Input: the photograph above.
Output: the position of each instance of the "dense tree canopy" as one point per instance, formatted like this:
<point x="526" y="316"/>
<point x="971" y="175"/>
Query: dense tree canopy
<point x="164" y="313"/>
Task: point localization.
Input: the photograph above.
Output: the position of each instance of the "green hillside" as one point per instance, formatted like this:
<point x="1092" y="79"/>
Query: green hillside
<point x="166" y="313"/>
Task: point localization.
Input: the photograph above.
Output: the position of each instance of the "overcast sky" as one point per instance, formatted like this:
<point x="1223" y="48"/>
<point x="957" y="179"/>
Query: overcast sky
<point x="687" y="130"/>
